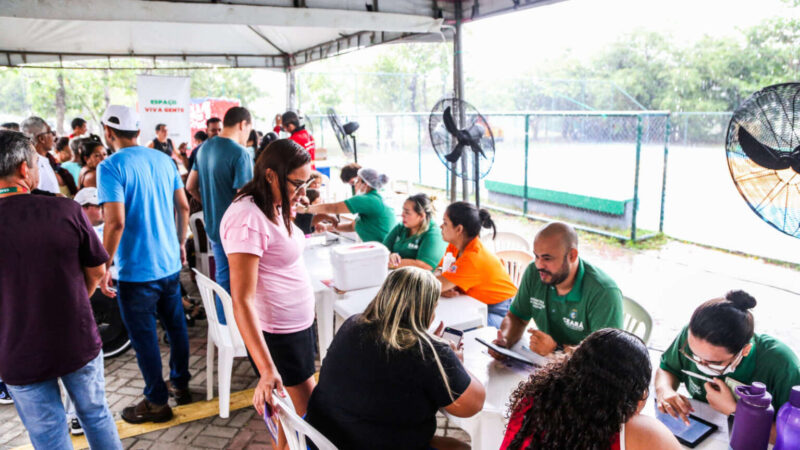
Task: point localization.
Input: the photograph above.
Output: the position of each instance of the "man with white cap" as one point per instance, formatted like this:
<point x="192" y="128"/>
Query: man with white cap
<point x="146" y="216"/>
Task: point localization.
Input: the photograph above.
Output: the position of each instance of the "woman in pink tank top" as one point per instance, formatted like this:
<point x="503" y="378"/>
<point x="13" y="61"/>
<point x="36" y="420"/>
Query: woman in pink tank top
<point x="273" y="300"/>
<point x="590" y="400"/>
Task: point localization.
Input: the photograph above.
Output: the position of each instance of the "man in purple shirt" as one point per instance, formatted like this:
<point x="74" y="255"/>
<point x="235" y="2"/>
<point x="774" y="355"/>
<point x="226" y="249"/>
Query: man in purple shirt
<point x="50" y="259"/>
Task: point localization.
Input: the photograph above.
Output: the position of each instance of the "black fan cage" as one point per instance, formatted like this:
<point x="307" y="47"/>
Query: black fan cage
<point x="772" y="117"/>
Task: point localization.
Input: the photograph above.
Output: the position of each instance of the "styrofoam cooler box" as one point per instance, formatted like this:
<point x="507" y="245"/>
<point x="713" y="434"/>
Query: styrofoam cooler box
<point x="358" y="266"/>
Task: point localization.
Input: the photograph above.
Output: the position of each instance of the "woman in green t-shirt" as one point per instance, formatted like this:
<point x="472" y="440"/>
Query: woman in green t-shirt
<point x="417" y="241"/>
<point x="720" y="344"/>
<point x="375" y="218"/>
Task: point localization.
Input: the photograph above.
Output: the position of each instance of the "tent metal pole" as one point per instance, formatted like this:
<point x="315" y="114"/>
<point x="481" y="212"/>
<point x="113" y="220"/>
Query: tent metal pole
<point x="291" y="91"/>
<point x="458" y="84"/>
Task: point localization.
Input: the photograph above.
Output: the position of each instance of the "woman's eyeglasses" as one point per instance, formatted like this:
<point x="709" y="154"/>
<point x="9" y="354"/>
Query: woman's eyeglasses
<point x="718" y="368"/>
<point x="300" y="185"/>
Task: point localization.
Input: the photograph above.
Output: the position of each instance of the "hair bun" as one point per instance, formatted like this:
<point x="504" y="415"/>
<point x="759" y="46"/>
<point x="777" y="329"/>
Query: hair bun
<point x="741" y="300"/>
<point x="486" y="218"/>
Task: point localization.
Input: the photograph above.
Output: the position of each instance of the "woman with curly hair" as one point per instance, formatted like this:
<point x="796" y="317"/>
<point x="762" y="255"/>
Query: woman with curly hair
<point x="590" y="400"/>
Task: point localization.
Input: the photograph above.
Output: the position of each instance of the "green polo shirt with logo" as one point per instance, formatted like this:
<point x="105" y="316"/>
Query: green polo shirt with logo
<point x="375" y="218"/>
<point x="593" y="303"/>
<point x="427" y="246"/>
<point x="770" y="361"/>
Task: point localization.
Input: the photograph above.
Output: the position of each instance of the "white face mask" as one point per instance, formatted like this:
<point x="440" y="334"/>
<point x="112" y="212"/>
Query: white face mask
<point x="718" y="370"/>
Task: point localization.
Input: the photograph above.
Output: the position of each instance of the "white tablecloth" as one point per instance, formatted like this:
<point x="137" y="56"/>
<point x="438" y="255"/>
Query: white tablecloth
<point x="462" y="312"/>
<point x="500" y="379"/>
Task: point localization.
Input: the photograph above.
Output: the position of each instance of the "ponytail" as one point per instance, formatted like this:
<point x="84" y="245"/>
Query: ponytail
<point x="725" y="322"/>
<point x="471" y="218"/>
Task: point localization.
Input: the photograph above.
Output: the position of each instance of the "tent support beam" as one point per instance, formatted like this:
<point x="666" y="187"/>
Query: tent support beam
<point x="291" y="91"/>
<point x="458" y="88"/>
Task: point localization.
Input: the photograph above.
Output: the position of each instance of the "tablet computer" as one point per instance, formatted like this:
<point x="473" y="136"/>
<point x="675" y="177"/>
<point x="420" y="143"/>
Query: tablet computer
<point x="506" y="352"/>
<point x="689" y="435"/>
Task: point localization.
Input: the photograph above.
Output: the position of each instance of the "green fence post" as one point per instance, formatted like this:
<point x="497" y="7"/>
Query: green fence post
<point x="525" y="183"/>
<point x="377" y="133"/>
<point x="664" y="174"/>
<point x="321" y="132"/>
<point x="636" y="175"/>
<point x="419" y="149"/>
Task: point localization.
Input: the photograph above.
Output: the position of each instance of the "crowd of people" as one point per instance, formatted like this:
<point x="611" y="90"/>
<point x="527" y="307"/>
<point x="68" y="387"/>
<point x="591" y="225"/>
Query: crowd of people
<point x="87" y="215"/>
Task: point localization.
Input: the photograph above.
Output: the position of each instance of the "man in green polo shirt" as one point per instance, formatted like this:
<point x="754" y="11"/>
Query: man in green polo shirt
<point x="566" y="297"/>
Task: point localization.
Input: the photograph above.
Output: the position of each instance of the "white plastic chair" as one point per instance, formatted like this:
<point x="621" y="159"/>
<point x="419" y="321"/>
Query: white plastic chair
<point x="635" y="319"/>
<point x="297" y="430"/>
<point x="515" y="262"/>
<point x="225" y="337"/>
<point x="505" y="240"/>
<point x="202" y="248"/>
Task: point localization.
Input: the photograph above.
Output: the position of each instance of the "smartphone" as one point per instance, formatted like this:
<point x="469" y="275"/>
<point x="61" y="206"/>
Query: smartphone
<point x="453" y="335"/>
<point x="270" y="421"/>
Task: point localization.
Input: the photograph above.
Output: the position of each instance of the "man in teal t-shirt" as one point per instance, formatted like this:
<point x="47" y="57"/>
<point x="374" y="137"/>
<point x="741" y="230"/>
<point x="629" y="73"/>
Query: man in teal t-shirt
<point x="567" y="297"/>
<point x="222" y="167"/>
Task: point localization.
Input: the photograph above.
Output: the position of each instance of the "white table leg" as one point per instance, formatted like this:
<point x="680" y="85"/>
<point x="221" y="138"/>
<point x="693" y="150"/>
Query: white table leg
<point x="324" y="311"/>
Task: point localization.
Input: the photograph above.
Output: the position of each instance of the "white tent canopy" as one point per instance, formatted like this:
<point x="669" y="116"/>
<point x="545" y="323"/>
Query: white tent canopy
<point x="278" y="34"/>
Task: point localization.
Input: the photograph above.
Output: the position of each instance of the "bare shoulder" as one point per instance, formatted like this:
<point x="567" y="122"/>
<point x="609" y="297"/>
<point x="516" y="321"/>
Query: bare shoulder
<point x="645" y="433"/>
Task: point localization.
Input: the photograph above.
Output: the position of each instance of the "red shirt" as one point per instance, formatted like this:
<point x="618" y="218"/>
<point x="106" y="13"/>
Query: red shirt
<point x="303" y="138"/>
<point x="515" y="423"/>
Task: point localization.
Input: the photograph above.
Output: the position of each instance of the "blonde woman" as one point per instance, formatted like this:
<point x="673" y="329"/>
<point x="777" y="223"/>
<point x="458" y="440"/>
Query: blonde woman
<point x="385" y="375"/>
<point x="417" y="241"/>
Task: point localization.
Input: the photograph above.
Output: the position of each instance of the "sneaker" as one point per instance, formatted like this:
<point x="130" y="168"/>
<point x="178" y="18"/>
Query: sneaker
<point x="145" y="411"/>
<point x="181" y="396"/>
<point x="75" y="427"/>
<point x="5" y="396"/>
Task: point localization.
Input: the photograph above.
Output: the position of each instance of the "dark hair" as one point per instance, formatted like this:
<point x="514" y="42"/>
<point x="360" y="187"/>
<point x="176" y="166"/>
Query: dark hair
<point x="160" y="126"/>
<point x="268" y="139"/>
<point x="212" y="120"/>
<point x="236" y="115"/>
<point x="62" y="143"/>
<point x="725" y="322"/>
<point x="471" y="218"/>
<point x="283" y="157"/>
<point x="253" y="137"/>
<point x="424" y="207"/>
<point x="201" y="136"/>
<point x="349" y="172"/>
<point x="290" y="117"/>
<point x="88" y="147"/>
<point x="77" y="122"/>
<point x="581" y="401"/>
<point x="13" y="126"/>
<point x="123" y="134"/>
<point x="312" y="194"/>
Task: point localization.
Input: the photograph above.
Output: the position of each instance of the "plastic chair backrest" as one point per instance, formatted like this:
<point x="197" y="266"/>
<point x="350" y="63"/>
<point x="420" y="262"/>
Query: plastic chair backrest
<point x="506" y="240"/>
<point x="515" y="262"/>
<point x="198" y="226"/>
<point x="636" y="319"/>
<point x="223" y="335"/>
<point x="297" y="430"/>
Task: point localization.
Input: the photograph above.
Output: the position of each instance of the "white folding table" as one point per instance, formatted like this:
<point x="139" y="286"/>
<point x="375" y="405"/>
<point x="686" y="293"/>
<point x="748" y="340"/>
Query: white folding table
<point x="462" y="312"/>
<point x="487" y="428"/>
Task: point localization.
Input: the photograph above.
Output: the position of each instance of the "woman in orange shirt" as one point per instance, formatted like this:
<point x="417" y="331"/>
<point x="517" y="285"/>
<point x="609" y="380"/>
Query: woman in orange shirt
<point x="469" y="267"/>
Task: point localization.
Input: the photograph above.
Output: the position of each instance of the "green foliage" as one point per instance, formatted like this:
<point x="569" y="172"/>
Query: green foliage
<point x="88" y="92"/>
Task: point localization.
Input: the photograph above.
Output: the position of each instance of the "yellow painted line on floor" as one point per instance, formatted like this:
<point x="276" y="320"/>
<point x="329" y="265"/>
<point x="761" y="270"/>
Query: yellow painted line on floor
<point x="182" y="414"/>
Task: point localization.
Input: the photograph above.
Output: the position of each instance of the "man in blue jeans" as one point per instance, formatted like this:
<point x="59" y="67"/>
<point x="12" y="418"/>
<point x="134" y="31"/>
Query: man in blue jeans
<point x="50" y="260"/>
<point x="146" y="214"/>
<point x="221" y="169"/>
